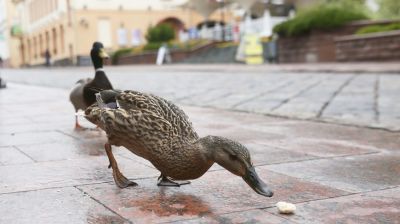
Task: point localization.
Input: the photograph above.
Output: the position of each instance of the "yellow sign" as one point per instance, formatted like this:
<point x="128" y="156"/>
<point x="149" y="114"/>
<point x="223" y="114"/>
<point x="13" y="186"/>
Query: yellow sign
<point x="253" y="49"/>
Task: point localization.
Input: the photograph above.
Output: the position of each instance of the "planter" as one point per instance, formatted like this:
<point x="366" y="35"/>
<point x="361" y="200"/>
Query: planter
<point x="150" y="57"/>
<point x="383" y="46"/>
<point x="319" y="45"/>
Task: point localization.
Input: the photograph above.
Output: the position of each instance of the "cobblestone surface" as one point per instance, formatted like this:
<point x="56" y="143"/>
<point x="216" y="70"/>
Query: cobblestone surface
<point x="366" y="99"/>
<point x="50" y="173"/>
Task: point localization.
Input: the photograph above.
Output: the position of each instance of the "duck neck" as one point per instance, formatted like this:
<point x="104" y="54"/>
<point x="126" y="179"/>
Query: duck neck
<point x="100" y="75"/>
<point x="96" y="60"/>
<point x="210" y="148"/>
<point x="97" y="63"/>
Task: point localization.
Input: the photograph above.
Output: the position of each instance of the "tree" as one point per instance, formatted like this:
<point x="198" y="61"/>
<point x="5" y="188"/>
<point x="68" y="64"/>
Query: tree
<point x="160" y="33"/>
<point x="389" y="9"/>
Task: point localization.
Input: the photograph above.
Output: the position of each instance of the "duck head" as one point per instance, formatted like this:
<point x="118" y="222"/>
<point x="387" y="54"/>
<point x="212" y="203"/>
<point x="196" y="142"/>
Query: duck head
<point x="98" y="54"/>
<point x="235" y="157"/>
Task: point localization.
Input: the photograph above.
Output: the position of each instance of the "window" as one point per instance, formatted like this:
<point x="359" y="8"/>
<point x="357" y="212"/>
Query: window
<point x="54" y="31"/>
<point x="104" y="32"/>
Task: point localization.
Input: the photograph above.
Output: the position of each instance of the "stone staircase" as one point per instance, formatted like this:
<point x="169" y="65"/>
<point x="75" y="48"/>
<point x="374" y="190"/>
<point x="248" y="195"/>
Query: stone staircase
<point x="219" y="54"/>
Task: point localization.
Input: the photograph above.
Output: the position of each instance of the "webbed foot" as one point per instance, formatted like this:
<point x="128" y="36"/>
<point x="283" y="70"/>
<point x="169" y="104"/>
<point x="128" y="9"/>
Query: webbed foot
<point x="119" y="179"/>
<point x="165" y="181"/>
<point x="78" y="127"/>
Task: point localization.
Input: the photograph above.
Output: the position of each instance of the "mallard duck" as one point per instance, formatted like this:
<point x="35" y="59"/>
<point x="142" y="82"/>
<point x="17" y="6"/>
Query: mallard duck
<point x="83" y="95"/>
<point x="159" y="131"/>
<point x="2" y="83"/>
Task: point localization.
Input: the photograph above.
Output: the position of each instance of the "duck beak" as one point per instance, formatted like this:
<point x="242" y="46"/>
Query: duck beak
<point x="256" y="183"/>
<point x="103" y="54"/>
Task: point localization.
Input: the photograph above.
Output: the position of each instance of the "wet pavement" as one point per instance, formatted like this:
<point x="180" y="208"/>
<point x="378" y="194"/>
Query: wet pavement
<point x="50" y="173"/>
<point x="363" y="94"/>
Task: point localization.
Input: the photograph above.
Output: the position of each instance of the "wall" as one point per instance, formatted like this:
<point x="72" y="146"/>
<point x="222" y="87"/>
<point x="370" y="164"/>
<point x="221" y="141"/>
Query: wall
<point x="79" y="21"/>
<point x="370" y="47"/>
<point x="318" y="46"/>
<point x="150" y="57"/>
<point x="87" y="24"/>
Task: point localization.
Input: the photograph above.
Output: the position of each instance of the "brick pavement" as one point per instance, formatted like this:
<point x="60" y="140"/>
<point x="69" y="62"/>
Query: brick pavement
<point x="356" y="94"/>
<point x="50" y="173"/>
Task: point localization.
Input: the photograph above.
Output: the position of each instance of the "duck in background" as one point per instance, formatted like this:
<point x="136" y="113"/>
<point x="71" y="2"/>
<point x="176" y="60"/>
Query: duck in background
<point x="83" y="94"/>
<point x="2" y="83"/>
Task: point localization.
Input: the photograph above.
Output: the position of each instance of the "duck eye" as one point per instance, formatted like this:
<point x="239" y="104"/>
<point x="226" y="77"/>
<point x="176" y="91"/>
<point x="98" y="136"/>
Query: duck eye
<point x="233" y="157"/>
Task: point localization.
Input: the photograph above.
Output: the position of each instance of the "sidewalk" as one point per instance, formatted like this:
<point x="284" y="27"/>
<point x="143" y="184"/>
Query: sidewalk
<point x="334" y="67"/>
<point x="367" y="99"/>
<point x="50" y="173"/>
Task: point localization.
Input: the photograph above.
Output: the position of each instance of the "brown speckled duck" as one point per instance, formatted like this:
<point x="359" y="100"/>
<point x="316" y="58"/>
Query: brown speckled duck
<point x="83" y="95"/>
<point x="159" y="131"/>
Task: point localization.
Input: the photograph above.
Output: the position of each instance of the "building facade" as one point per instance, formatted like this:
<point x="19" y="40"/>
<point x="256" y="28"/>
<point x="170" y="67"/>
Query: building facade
<point x="67" y="28"/>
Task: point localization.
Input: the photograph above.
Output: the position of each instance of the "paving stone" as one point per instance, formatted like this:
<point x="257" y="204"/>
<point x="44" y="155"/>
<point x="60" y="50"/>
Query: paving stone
<point x="352" y="173"/>
<point x="28" y="138"/>
<point x="61" y="205"/>
<point x="357" y="98"/>
<point x="77" y="148"/>
<point x="322" y="162"/>
<point x="371" y="207"/>
<point x="26" y="177"/>
<point x="262" y="154"/>
<point x="309" y="103"/>
<point x="250" y="216"/>
<point x="10" y="121"/>
<point x="323" y="147"/>
<point x="272" y="100"/>
<point x="61" y="151"/>
<point x="361" y="137"/>
<point x="11" y="156"/>
<point x="245" y="88"/>
<point x="215" y="193"/>
<point x="91" y="133"/>
<point x="33" y="127"/>
<point x="389" y="110"/>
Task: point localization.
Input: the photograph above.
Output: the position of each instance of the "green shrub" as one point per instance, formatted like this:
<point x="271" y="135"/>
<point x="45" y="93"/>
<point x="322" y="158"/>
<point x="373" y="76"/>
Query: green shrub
<point x="388" y="9"/>
<point x="322" y="17"/>
<point x="120" y="52"/>
<point x="151" y="46"/>
<point x="160" y="33"/>
<point x="378" y="28"/>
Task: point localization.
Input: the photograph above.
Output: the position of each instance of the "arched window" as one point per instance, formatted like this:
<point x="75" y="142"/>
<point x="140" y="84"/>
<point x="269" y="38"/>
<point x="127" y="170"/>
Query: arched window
<point x="54" y="31"/>
<point x="62" y="38"/>
<point x="29" y="46"/>
<point x="47" y="40"/>
<point x="22" y="51"/>
<point x="35" y="48"/>
<point x="40" y="45"/>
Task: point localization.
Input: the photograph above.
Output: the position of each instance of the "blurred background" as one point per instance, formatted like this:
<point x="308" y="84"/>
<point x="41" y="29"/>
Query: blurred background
<point x="199" y="31"/>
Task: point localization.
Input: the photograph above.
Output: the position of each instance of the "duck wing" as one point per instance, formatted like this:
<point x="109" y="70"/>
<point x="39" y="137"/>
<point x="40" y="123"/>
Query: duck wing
<point x="168" y="112"/>
<point x="76" y="95"/>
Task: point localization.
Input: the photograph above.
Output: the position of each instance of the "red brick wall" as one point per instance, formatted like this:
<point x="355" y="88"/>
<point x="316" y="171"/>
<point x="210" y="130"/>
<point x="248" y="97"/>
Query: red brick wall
<point x="150" y="57"/>
<point x="316" y="47"/>
<point x="319" y="45"/>
<point x="369" y="47"/>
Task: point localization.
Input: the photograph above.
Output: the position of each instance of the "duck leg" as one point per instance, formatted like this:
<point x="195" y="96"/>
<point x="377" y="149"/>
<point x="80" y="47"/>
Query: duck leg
<point x="77" y="125"/>
<point x="119" y="179"/>
<point x="165" y="181"/>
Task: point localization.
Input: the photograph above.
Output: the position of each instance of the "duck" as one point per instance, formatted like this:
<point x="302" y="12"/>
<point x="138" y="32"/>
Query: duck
<point x="2" y="84"/>
<point x="83" y="94"/>
<point x="159" y="131"/>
